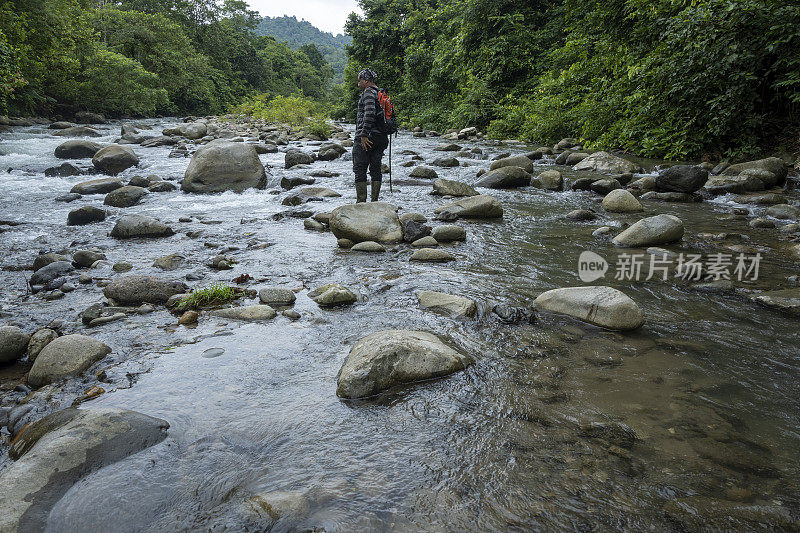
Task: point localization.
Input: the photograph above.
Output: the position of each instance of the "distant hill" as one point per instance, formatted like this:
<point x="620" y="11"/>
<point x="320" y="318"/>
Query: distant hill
<point x="299" y="32"/>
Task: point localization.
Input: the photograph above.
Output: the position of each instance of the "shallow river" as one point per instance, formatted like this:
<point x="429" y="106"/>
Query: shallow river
<point x="709" y="384"/>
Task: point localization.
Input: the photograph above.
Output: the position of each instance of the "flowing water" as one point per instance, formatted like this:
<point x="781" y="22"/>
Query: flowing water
<point x="709" y="384"/>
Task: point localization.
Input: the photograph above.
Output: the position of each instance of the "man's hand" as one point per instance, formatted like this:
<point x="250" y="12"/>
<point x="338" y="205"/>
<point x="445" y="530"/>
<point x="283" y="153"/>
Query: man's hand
<point x="366" y="144"/>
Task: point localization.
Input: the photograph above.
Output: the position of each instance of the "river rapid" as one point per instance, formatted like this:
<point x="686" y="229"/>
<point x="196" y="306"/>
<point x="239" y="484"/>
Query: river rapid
<point x="709" y="384"/>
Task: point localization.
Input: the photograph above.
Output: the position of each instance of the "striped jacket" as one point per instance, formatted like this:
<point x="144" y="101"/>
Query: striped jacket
<point x="367" y="107"/>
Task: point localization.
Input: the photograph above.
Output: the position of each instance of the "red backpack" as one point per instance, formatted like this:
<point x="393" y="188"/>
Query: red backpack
<point x="389" y="123"/>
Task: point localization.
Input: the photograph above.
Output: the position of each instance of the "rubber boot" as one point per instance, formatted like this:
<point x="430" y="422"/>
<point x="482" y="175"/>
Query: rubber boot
<point x="375" y="190"/>
<point x="361" y="191"/>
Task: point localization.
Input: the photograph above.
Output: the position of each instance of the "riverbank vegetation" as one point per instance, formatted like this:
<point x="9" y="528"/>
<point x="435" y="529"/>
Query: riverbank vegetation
<point x="673" y="79"/>
<point x="144" y="57"/>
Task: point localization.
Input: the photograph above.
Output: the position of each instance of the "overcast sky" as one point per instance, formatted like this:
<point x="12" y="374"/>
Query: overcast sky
<point x="327" y="15"/>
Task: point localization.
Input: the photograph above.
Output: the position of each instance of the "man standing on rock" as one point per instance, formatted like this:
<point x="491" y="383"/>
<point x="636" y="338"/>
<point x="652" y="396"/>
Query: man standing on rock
<point x="370" y="141"/>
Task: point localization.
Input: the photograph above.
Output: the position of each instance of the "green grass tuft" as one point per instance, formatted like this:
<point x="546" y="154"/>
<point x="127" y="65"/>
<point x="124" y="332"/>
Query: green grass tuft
<point x="215" y="294"/>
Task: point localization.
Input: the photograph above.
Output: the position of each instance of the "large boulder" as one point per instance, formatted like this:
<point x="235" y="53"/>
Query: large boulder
<point x="520" y="161"/>
<point x="61" y="449"/>
<point x="621" y="201"/>
<point x="366" y="221"/>
<point x="295" y="157"/>
<point x="602" y="306"/>
<point x="13" y="343"/>
<point x="85" y="215"/>
<point x="101" y="186"/>
<point x="136" y="290"/>
<point x="607" y="163"/>
<point x="125" y="196"/>
<point x="394" y="357"/>
<point x="130" y="226"/>
<point x="651" y="231"/>
<point x="447" y="304"/>
<point x="682" y="178"/>
<point x="445" y="187"/>
<point x="505" y="178"/>
<point x="115" y="158"/>
<point x="224" y="166"/>
<point x="774" y="165"/>
<point x="65" y="357"/>
<point x="77" y="149"/>
<point x="481" y="206"/>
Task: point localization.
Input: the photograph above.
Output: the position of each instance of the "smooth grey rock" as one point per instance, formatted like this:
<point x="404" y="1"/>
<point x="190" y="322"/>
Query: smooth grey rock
<point x="481" y="206"/>
<point x="425" y="242"/>
<point x="432" y="255"/>
<point x="330" y="151"/>
<point x="506" y="177"/>
<point x="13" y="343"/>
<point x="449" y="233"/>
<point x="445" y="187"/>
<point x="394" y="357"/>
<point x="99" y="186"/>
<point x="78" y="131"/>
<point x="224" y="166"/>
<point x="77" y="149"/>
<point x="296" y="157"/>
<point x="170" y="262"/>
<point x="783" y="212"/>
<point x="551" y="180"/>
<point x="682" y="178"/>
<point x="61" y="449"/>
<point x="368" y="246"/>
<point x="130" y="226"/>
<point x="250" y="312"/>
<point x="367" y="221"/>
<point x="125" y="196"/>
<point x="423" y="172"/>
<point x="621" y="201"/>
<point x="602" y="306"/>
<point x="42" y="260"/>
<point x="277" y="296"/>
<point x="520" y="161"/>
<point x="775" y="165"/>
<point x="136" y="290"/>
<point x="38" y="341"/>
<point x="52" y="271"/>
<point x="650" y="231"/>
<point x="447" y="304"/>
<point x="332" y="294"/>
<point x="86" y="258"/>
<point x="64" y="357"/>
<point x="607" y="163"/>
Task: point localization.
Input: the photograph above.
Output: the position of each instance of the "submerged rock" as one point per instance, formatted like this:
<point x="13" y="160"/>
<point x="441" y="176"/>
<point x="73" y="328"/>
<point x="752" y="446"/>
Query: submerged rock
<point x="395" y="357"/>
<point x="368" y="221"/>
<point x="602" y="306"/>
<point x="224" y="166"/>
<point x="650" y="231"/>
<point x="368" y="246"/>
<point x="64" y="357"/>
<point x="62" y="448"/>
<point x="447" y="304"/>
<point x="432" y="255"/>
<point x="786" y="300"/>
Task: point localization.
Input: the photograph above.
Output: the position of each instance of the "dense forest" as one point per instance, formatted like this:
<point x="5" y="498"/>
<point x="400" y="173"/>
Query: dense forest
<point x="144" y="57"/>
<point x="299" y="33"/>
<point x="665" y="78"/>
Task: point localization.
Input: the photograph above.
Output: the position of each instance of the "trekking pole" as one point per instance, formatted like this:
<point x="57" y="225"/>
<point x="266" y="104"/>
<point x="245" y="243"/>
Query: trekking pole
<point x="390" y="163"/>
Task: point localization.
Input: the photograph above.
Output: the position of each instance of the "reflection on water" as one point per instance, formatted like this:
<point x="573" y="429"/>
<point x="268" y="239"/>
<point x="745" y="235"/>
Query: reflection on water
<point x="537" y="434"/>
